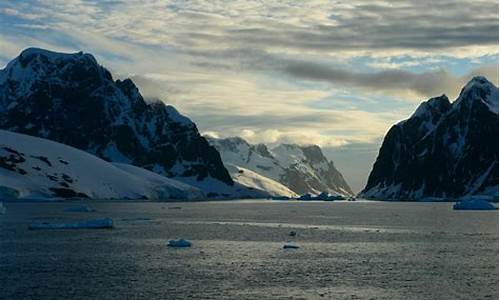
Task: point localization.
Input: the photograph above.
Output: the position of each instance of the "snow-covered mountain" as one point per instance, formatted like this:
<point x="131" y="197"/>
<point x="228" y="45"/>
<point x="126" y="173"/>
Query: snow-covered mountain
<point x="35" y="168"/>
<point x="444" y="150"/>
<point x="71" y="99"/>
<point x="301" y="169"/>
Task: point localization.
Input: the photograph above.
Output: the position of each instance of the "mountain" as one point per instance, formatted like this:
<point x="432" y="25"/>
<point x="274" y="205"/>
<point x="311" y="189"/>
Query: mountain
<point x="302" y="169"/>
<point x="35" y="168"/>
<point x="444" y="150"/>
<point x="71" y="99"/>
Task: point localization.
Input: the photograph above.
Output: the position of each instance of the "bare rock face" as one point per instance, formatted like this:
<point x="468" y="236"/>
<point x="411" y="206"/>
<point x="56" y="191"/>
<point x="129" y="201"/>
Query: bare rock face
<point x="71" y="99"/>
<point x="444" y="150"/>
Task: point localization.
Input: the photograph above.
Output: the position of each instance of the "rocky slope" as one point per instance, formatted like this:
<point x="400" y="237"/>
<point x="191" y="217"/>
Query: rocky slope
<point x="71" y="99"/>
<point x="444" y="150"/>
<point x="302" y="169"/>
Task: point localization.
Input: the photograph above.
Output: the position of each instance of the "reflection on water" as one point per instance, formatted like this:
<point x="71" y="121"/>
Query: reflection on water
<point x="301" y="226"/>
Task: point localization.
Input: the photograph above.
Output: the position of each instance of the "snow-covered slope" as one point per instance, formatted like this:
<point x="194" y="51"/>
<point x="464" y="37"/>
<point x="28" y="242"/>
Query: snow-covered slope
<point x="302" y="169"/>
<point x="71" y="99"/>
<point x="254" y="180"/>
<point x="444" y="150"/>
<point x="35" y="168"/>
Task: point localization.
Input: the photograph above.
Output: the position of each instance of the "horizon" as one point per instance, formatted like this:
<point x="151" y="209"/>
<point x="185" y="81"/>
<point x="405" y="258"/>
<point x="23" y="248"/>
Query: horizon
<point x="276" y="72"/>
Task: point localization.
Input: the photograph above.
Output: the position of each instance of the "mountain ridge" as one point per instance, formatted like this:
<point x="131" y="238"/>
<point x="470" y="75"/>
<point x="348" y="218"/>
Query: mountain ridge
<point x="301" y="168"/>
<point x="71" y="99"/>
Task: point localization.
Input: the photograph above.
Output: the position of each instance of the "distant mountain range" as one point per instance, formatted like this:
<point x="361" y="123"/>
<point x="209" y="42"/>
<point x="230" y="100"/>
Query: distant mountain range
<point x="301" y="169"/>
<point x="444" y="150"/>
<point x="68" y="129"/>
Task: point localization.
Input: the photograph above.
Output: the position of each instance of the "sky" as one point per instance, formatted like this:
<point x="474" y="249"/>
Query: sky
<point x="333" y="73"/>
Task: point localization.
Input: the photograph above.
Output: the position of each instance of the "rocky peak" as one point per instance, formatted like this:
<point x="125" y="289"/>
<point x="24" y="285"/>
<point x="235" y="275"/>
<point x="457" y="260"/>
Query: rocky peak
<point x="35" y="64"/>
<point x="262" y="150"/>
<point x="478" y="91"/>
<point x="426" y="116"/>
<point x="313" y="154"/>
<point x="233" y="143"/>
<point x="433" y="108"/>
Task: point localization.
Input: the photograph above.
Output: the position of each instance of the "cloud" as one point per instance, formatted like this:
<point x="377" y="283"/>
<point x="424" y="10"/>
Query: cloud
<point x="331" y="128"/>
<point x="427" y="83"/>
<point x="316" y="26"/>
<point x="13" y="12"/>
<point x="211" y="134"/>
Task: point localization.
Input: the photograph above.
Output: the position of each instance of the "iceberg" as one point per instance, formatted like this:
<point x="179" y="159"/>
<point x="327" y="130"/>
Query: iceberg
<point x="104" y="223"/>
<point x="180" y="243"/>
<point x="473" y="204"/>
<point x="290" y="245"/>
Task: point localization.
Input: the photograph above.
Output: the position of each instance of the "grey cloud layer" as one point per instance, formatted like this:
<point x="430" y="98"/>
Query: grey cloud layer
<point x="355" y="25"/>
<point x="427" y="83"/>
<point x="312" y="25"/>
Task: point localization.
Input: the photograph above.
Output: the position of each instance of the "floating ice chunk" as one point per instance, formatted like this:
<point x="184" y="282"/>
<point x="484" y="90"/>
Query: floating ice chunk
<point x="79" y="208"/>
<point x="88" y="224"/>
<point x="473" y="204"/>
<point x="306" y="197"/>
<point x="290" y="245"/>
<point x="3" y="209"/>
<point x="180" y="243"/>
<point x="324" y="196"/>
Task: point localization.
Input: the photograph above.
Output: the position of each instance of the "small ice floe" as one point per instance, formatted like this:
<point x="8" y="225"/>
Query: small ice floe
<point x="79" y="208"/>
<point x="3" y="209"/>
<point x="104" y="223"/>
<point x="290" y="245"/>
<point x="473" y="204"/>
<point x="180" y="243"/>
